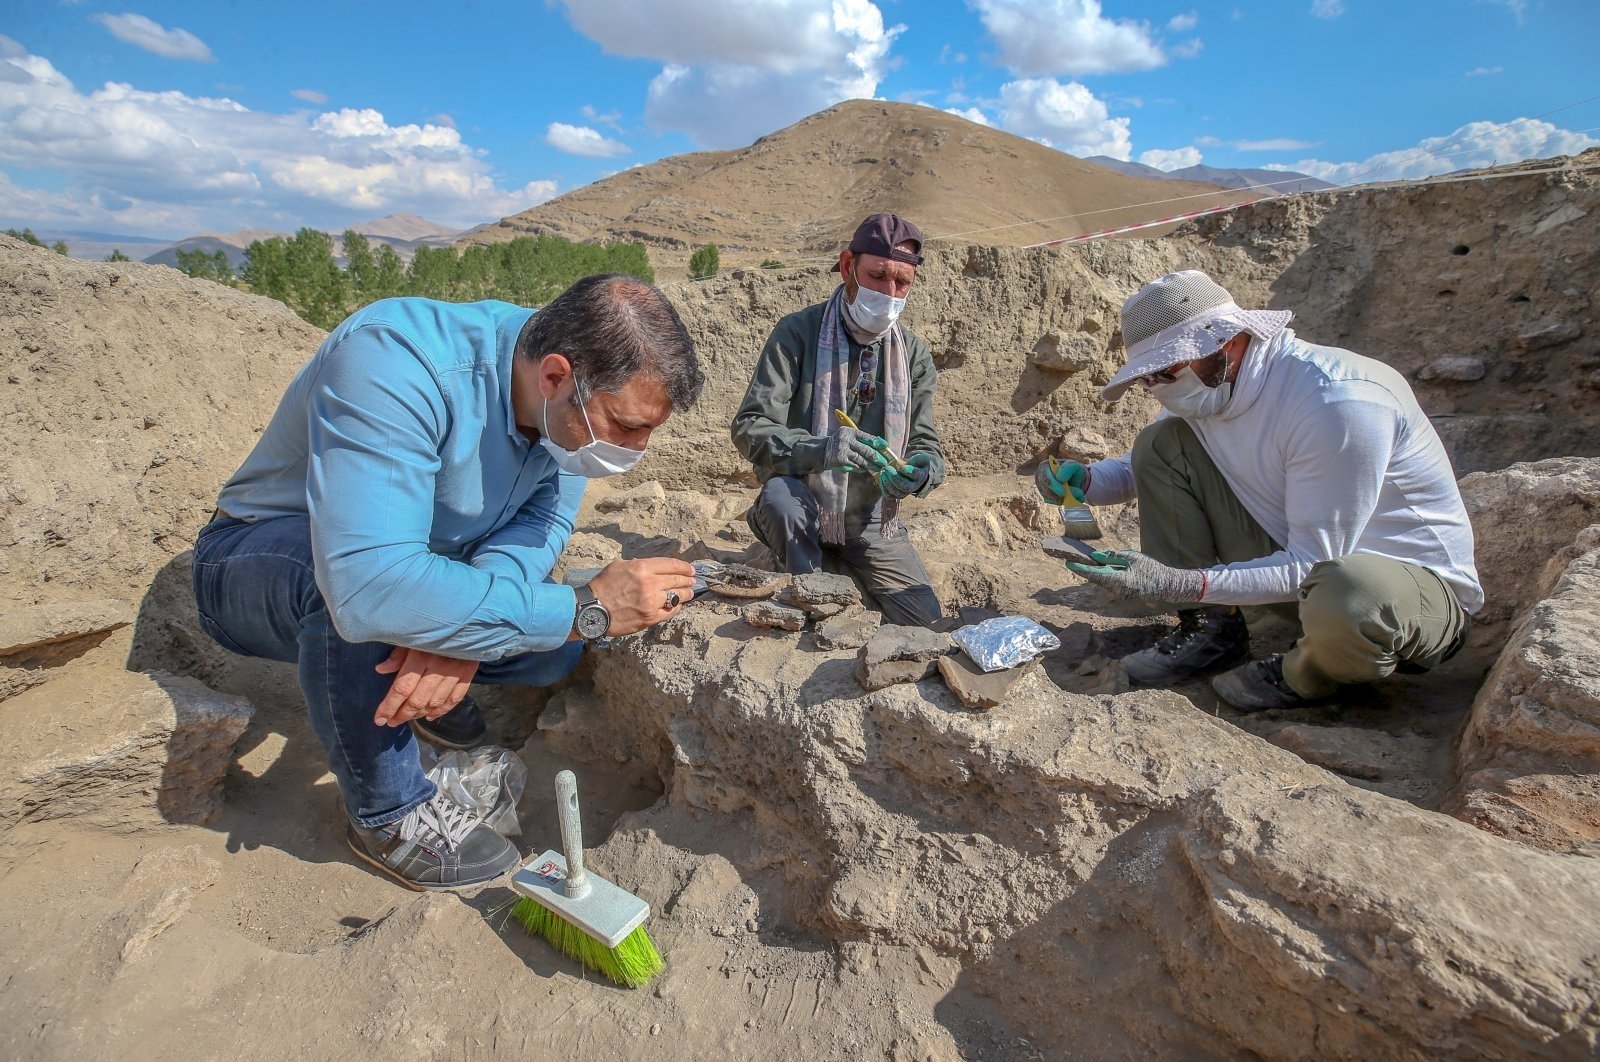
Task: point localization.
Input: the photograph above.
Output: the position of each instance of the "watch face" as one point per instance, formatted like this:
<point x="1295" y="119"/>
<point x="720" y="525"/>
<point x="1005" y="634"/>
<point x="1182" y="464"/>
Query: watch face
<point x="593" y="621"/>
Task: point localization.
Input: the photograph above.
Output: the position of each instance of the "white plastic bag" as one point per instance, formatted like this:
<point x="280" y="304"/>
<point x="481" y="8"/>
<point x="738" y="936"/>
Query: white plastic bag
<point x="1005" y="642"/>
<point x="488" y="779"/>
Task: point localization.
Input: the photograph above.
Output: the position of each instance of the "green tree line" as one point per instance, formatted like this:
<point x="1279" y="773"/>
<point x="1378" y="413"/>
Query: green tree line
<point x="300" y="271"/>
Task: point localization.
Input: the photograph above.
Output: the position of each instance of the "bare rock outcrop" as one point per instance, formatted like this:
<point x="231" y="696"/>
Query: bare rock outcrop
<point x="1530" y="754"/>
<point x="1083" y="857"/>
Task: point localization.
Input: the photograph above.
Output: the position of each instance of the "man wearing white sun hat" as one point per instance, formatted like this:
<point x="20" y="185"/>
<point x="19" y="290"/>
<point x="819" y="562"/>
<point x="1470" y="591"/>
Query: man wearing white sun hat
<point x="1278" y="471"/>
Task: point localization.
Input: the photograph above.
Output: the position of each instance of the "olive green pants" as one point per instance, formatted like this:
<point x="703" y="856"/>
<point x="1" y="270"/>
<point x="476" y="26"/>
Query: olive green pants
<point x="1361" y="616"/>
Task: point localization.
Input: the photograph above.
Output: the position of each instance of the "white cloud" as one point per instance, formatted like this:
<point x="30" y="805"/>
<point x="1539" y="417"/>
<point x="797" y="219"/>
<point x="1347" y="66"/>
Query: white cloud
<point x="1327" y="8"/>
<point x="1066" y="116"/>
<point x="1054" y="37"/>
<point x="170" y="162"/>
<point x="737" y="69"/>
<point x="1175" y="159"/>
<point x="1281" y="143"/>
<point x="310" y="96"/>
<point x="154" y="37"/>
<point x="1189" y="48"/>
<point x="1184" y="23"/>
<point x="1470" y="147"/>
<point x="1484" y="71"/>
<point x="581" y="140"/>
<point x="971" y="114"/>
<point x="609" y="119"/>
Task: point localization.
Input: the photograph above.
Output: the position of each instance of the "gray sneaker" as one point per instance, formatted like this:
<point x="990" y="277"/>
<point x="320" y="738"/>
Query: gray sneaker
<point x="1206" y="640"/>
<point x="439" y="845"/>
<point x="1258" y="686"/>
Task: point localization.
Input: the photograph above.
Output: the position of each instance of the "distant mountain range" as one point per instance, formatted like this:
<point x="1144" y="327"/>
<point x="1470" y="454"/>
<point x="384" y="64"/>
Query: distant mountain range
<point x="404" y="232"/>
<point x="1280" y="182"/>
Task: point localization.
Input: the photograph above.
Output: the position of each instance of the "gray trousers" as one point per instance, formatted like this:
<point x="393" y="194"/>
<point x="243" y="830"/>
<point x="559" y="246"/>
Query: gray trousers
<point x="1361" y="616"/>
<point x="786" y="518"/>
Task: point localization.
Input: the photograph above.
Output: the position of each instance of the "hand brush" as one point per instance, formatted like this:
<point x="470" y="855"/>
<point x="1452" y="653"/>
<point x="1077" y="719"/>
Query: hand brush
<point x="899" y="466"/>
<point x="1077" y="521"/>
<point x="585" y="916"/>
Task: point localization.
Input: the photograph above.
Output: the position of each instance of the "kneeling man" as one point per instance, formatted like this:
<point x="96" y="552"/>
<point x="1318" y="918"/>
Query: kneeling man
<point x="1278" y="471"/>
<point x="393" y="532"/>
<point x="828" y="487"/>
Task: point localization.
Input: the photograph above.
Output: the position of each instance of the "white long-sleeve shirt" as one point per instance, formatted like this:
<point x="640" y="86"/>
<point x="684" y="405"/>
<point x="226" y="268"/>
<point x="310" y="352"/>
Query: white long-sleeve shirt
<point x="1332" y="456"/>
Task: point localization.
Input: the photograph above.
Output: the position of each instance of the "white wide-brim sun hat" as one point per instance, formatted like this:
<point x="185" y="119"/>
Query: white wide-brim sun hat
<point x="1181" y="317"/>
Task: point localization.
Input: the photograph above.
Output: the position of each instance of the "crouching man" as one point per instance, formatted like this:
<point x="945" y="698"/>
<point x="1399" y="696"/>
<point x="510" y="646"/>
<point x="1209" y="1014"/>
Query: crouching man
<point x="393" y="532"/>
<point x="1278" y="471"/>
<point x="829" y="487"/>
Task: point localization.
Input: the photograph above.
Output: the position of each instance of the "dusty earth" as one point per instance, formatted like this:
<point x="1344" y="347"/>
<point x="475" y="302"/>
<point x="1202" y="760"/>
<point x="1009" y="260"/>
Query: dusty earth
<point x="1083" y="871"/>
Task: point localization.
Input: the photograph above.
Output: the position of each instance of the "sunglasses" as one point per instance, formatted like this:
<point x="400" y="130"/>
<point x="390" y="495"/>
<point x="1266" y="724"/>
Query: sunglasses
<point x="1170" y="373"/>
<point x="866" y="386"/>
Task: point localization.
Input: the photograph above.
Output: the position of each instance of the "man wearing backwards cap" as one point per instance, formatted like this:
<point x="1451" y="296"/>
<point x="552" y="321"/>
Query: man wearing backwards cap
<point x="1278" y="471"/>
<point x="830" y="487"/>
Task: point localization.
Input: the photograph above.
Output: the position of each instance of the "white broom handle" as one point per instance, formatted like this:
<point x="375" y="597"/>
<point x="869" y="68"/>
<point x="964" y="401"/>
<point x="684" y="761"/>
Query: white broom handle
<point x="571" y="834"/>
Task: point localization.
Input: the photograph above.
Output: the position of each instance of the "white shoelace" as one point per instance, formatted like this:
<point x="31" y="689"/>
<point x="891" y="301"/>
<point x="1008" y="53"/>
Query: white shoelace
<point x="443" y="816"/>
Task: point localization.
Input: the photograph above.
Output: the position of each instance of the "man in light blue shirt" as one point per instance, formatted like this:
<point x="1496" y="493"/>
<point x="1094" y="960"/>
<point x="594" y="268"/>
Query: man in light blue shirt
<point x="401" y="515"/>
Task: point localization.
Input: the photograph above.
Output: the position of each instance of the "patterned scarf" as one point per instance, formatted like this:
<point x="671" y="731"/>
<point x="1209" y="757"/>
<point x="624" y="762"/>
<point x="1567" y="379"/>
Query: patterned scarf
<point x="828" y="392"/>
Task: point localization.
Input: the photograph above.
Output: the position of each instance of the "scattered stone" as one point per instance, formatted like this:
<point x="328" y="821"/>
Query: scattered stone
<point x="850" y="629"/>
<point x="815" y="591"/>
<point x="976" y="688"/>
<point x="747" y="583"/>
<point x="1550" y="336"/>
<point x="1104" y="677"/>
<point x="1454" y="367"/>
<point x="644" y="497"/>
<point x="36" y="626"/>
<point x="119" y="747"/>
<point x="148" y="917"/>
<point x="1067" y="354"/>
<point x="1083" y="444"/>
<point x="898" y="654"/>
<point x="774" y="616"/>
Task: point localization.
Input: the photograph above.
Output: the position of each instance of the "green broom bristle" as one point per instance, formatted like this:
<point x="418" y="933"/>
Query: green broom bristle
<point x="634" y="963"/>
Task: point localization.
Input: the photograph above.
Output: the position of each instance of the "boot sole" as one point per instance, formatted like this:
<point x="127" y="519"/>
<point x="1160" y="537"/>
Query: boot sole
<point x="438" y="742"/>
<point x="416" y="886"/>
<point x="1227" y="663"/>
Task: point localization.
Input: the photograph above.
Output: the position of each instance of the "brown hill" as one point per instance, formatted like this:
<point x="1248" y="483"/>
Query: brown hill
<point x="799" y="191"/>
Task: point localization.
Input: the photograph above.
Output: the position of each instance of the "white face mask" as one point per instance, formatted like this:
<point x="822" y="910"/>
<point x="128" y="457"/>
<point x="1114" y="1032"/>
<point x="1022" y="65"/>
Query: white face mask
<point x="1187" y="397"/>
<point x="873" y="312"/>
<point x="597" y="459"/>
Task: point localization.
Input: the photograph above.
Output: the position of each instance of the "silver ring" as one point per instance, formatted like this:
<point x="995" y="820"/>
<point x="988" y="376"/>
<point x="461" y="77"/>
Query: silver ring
<point x="673" y="600"/>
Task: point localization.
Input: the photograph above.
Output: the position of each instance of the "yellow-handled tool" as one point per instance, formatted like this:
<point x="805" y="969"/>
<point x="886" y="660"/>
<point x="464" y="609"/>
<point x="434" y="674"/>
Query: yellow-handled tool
<point x="899" y="466"/>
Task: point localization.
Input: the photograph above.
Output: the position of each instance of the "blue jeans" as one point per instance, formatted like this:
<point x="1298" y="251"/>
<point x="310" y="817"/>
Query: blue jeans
<point x="258" y="596"/>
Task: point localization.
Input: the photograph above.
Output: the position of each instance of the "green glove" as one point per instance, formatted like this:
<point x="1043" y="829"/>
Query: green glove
<point x="855" y="449"/>
<point x="897" y="485"/>
<point x="1141" y="575"/>
<point x="1055" y="479"/>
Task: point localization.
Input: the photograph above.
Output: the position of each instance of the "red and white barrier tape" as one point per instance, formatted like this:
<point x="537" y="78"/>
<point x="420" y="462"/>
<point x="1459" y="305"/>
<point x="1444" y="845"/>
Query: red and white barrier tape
<point x="1143" y="225"/>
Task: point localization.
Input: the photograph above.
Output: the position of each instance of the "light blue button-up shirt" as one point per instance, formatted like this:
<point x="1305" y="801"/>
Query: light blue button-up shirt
<point x="434" y="522"/>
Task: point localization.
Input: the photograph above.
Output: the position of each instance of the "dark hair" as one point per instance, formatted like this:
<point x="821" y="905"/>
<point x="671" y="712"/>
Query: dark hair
<point x="613" y="327"/>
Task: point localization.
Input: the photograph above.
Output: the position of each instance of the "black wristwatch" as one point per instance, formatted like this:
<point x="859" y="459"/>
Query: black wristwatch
<point x="591" y="621"/>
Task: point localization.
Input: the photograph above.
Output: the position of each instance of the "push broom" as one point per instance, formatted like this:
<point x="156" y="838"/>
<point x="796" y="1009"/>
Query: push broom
<point x="585" y="916"/>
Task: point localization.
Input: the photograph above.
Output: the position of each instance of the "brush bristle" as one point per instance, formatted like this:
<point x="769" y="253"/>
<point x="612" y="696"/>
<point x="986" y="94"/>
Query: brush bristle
<point x="1079" y="522"/>
<point x="634" y="963"/>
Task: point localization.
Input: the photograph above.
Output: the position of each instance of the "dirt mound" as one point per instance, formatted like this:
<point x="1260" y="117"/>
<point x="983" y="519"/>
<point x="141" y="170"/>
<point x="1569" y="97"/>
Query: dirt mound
<point x="801" y="190"/>
<point x="131" y="393"/>
<point x="836" y="874"/>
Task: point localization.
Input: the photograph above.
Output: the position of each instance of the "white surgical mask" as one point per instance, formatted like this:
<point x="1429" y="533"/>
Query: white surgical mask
<point x="1191" y="399"/>
<point x="595" y="460"/>
<point x="873" y="312"/>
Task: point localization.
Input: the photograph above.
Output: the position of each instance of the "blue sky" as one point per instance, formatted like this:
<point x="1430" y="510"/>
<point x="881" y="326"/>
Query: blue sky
<point x="171" y="118"/>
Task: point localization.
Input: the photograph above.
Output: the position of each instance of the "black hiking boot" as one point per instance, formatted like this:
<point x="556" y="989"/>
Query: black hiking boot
<point x="1258" y="686"/>
<point x="439" y="845"/>
<point x="462" y="727"/>
<point x="1206" y="639"/>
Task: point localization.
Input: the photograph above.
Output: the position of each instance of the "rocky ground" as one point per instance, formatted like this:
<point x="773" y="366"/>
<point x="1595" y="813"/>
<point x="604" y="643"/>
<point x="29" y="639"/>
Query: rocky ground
<point x="1079" y="871"/>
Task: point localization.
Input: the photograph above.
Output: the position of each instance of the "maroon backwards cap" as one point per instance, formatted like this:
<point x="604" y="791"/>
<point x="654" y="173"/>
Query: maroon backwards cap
<point x="880" y="233"/>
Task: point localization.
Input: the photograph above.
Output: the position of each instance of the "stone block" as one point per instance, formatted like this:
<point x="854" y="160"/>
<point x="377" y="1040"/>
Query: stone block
<point x="37" y="626"/>
<point x="815" y="591"/>
<point x="123" y="748"/>
<point x="850" y="629"/>
<point x="774" y="617"/>
<point x="975" y="687"/>
<point x="644" y="497"/>
<point x="1454" y="367"/>
<point x="898" y="654"/>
